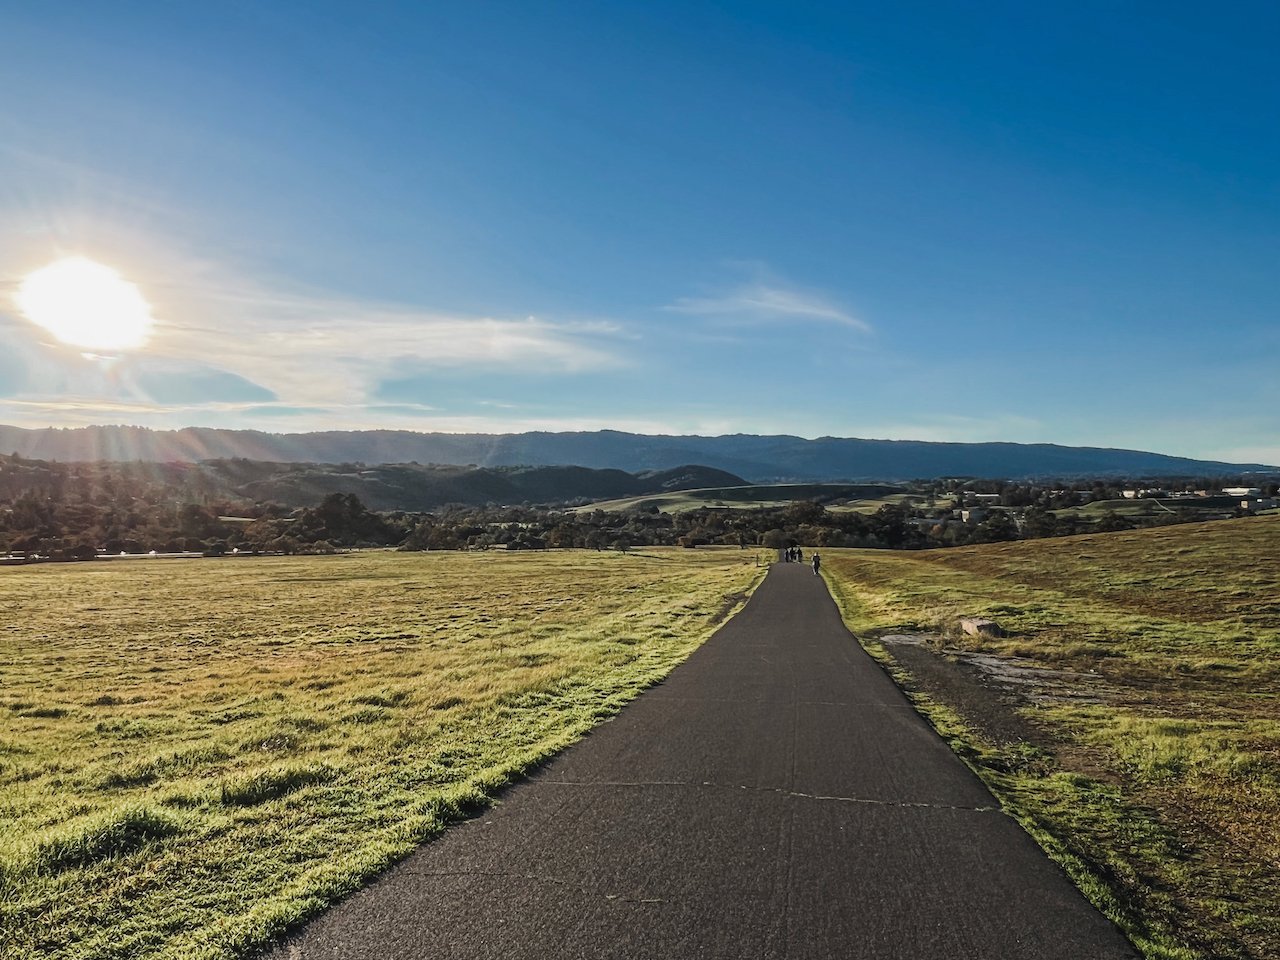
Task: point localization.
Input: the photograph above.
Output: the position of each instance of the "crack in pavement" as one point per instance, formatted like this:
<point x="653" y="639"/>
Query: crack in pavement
<point x="780" y="791"/>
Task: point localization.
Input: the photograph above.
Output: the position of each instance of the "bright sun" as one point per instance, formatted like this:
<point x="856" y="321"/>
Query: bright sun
<point x="87" y="305"/>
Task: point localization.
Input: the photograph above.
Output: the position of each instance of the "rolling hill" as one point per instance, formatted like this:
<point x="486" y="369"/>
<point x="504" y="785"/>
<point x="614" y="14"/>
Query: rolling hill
<point x="754" y="497"/>
<point x="399" y="486"/>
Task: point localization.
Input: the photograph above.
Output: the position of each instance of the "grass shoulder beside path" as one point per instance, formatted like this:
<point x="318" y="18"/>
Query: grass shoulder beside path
<point x="197" y="754"/>
<point x="1156" y="780"/>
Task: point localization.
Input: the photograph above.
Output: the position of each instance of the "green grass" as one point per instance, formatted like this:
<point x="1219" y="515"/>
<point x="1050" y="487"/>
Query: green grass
<point x="1163" y="799"/>
<point x="1149" y="507"/>
<point x="754" y="497"/>
<point x="870" y="505"/>
<point x="198" y="754"/>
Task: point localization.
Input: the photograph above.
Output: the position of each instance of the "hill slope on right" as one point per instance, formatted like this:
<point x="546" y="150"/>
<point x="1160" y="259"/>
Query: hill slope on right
<point x="1125" y="706"/>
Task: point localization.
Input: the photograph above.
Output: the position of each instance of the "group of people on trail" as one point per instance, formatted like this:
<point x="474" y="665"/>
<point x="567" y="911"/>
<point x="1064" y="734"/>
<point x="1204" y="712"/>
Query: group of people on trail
<point x="796" y="555"/>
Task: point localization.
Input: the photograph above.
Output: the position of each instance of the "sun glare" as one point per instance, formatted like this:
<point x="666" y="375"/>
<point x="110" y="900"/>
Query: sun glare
<point x="86" y="304"/>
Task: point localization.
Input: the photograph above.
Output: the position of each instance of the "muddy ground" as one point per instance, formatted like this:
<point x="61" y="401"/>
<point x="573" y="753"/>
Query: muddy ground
<point x="987" y="691"/>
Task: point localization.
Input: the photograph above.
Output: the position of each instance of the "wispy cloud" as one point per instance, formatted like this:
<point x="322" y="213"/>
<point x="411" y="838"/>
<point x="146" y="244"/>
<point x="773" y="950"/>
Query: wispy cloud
<point x="304" y="349"/>
<point x="309" y="349"/>
<point x="768" y="299"/>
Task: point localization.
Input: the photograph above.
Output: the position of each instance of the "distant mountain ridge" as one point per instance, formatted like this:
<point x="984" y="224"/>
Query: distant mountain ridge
<point x="757" y="458"/>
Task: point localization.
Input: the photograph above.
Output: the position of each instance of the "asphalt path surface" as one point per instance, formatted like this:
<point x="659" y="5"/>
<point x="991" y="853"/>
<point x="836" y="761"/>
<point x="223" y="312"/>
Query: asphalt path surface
<point x="776" y="796"/>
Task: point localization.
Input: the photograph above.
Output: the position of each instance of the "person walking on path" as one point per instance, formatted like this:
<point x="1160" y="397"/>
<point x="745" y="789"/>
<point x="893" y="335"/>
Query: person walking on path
<point x="817" y="562"/>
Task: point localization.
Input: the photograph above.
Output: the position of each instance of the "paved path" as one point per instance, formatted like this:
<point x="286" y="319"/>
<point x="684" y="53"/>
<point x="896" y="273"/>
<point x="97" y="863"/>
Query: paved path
<point x="775" y="797"/>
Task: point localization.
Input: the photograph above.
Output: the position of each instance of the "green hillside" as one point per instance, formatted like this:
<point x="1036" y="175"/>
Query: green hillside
<point x="1136" y="730"/>
<point x="1199" y="507"/>
<point x="755" y="497"/>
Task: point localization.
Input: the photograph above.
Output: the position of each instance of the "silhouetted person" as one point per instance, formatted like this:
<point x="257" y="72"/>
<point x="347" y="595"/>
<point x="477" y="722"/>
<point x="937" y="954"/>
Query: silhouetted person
<point x="817" y="562"/>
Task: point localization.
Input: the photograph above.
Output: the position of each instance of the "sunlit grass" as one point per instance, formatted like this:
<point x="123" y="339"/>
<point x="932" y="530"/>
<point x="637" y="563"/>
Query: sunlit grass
<point x="775" y="496"/>
<point x="1167" y="791"/>
<point x="197" y="754"/>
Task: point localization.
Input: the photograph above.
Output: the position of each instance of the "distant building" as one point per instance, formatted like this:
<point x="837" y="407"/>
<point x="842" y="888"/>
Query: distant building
<point x="1129" y="494"/>
<point x="1254" y="504"/>
<point x="976" y="515"/>
<point x="1242" y="491"/>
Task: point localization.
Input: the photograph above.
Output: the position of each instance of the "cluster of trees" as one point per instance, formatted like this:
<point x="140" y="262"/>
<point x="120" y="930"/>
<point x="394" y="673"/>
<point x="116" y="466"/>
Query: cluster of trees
<point x="59" y="531"/>
<point x="803" y="522"/>
<point x="72" y="528"/>
<point x="78" y="511"/>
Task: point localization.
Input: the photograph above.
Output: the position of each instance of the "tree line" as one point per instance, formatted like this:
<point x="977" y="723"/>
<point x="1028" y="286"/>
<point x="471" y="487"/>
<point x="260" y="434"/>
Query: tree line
<point x="79" y="511"/>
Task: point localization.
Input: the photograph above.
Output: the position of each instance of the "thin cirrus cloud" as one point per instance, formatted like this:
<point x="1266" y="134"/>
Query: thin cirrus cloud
<point x="223" y="343"/>
<point x="769" y="302"/>
<point x="315" y="350"/>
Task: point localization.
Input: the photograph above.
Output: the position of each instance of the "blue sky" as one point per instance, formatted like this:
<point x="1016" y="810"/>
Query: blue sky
<point x="951" y="221"/>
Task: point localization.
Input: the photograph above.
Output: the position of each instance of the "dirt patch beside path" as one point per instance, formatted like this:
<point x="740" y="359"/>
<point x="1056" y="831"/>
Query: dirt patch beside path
<point x="987" y="703"/>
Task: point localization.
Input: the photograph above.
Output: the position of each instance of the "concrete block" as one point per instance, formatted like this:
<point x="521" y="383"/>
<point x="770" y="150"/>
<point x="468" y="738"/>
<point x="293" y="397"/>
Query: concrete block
<point x="980" y="627"/>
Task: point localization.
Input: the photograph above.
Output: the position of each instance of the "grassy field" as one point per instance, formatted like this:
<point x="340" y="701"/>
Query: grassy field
<point x="1196" y="507"/>
<point x="1159" y="787"/>
<point x="755" y="497"/>
<point x="196" y="754"/>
